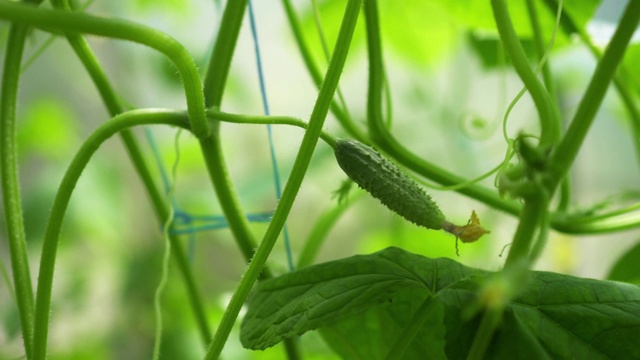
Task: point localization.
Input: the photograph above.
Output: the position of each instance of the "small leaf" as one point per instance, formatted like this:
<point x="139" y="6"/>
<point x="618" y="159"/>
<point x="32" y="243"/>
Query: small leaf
<point x="631" y="71"/>
<point x="477" y="17"/>
<point x="488" y="48"/>
<point x="626" y="268"/>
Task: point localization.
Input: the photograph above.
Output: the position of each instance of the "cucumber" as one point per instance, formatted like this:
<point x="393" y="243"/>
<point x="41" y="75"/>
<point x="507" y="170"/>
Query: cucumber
<point x="387" y="183"/>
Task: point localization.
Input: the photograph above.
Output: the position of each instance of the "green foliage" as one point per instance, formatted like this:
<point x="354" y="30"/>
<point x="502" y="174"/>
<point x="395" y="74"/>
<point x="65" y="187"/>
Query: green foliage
<point x="405" y="28"/>
<point x="405" y="34"/>
<point x="478" y="15"/>
<point x="369" y="334"/>
<point x="626" y="267"/>
<point x="630" y="70"/>
<point x="483" y="37"/>
<point x="555" y="316"/>
<point x="392" y="304"/>
<point x="48" y="129"/>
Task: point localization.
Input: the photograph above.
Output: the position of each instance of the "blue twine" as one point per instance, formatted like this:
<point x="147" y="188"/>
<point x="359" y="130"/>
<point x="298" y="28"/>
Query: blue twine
<point x="218" y="222"/>
<point x="265" y="105"/>
<point x="185" y="223"/>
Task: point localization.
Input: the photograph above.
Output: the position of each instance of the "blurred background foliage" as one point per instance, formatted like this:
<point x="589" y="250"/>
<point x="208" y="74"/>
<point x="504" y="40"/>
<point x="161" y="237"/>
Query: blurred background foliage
<point x="450" y="86"/>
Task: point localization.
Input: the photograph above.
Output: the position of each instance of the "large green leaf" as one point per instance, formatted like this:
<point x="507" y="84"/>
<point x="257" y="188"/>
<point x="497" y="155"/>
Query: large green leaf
<point x="555" y="316"/>
<point x="321" y="295"/>
<point x="370" y="334"/>
<point x="577" y="318"/>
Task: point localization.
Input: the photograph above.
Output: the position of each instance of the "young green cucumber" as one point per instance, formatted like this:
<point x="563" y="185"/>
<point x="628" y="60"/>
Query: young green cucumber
<point x="387" y="183"/>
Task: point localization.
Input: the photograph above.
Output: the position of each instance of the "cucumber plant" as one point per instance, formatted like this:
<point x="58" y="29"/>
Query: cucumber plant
<point x="391" y="303"/>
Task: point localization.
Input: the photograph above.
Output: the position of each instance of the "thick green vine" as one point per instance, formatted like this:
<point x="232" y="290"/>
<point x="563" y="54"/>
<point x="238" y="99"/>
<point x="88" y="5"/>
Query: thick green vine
<point x="108" y="95"/>
<point x="10" y="184"/>
<point x="63" y="196"/>
<point x="385" y="140"/>
<point x="567" y="150"/>
<point x="126" y="30"/>
<point x="309" y="141"/>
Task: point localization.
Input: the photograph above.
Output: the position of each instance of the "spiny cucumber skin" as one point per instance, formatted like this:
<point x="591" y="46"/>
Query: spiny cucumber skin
<point x="387" y="183"/>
